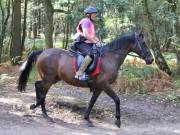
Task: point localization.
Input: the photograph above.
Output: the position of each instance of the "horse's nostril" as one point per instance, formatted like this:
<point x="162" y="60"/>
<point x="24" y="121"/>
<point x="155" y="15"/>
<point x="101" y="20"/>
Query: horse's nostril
<point x="152" y="59"/>
<point x="149" y="60"/>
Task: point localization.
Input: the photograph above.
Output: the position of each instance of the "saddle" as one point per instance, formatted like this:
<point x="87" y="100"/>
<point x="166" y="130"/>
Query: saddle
<point x="94" y="67"/>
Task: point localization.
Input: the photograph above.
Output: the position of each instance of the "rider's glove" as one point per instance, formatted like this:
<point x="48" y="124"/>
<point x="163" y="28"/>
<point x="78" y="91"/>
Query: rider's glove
<point x="98" y="44"/>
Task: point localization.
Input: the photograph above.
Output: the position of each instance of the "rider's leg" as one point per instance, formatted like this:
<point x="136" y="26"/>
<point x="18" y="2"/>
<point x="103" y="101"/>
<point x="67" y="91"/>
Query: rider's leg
<point x="80" y="74"/>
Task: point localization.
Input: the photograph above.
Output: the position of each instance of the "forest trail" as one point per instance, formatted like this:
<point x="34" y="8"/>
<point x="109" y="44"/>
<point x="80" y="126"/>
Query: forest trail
<point x="66" y="105"/>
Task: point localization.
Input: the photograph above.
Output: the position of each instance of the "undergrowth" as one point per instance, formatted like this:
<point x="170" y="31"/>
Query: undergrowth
<point x="134" y="79"/>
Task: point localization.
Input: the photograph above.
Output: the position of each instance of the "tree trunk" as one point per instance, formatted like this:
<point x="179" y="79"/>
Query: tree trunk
<point x="16" y="49"/>
<point x="177" y="32"/>
<point x="35" y="32"/>
<point x="67" y="29"/>
<point x="168" y="30"/>
<point x="159" y="59"/>
<point x="173" y="7"/>
<point x="4" y="21"/>
<point x="48" y="23"/>
<point x="178" y="61"/>
<point x="24" y="24"/>
<point x="67" y="36"/>
<point x="39" y="18"/>
<point x="30" y="30"/>
<point x="35" y="19"/>
<point x="64" y="35"/>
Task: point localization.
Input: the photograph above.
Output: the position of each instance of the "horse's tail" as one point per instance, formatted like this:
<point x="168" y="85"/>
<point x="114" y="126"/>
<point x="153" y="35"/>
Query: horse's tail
<point x="26" y="69"/>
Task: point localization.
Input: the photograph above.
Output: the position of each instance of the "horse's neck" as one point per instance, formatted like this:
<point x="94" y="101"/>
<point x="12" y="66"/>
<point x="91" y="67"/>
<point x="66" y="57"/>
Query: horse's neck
<point x="119" y="59"/>
<point x="117" y="50"/>
<point x="115" y="59"/>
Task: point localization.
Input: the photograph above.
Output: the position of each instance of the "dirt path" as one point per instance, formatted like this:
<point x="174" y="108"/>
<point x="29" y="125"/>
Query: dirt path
<point x="66" y="105"/>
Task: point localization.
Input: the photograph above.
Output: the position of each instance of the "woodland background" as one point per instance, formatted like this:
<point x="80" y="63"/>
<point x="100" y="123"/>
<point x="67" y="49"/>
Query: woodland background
<point x="27" y="25"/>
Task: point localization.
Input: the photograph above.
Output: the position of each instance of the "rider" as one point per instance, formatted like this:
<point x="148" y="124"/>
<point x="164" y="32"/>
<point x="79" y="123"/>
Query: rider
<point x="86" y="30"/>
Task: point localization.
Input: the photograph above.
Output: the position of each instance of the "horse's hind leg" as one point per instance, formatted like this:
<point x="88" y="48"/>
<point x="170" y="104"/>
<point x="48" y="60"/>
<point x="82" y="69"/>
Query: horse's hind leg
<point x="94" y="97"/>
<point x="41" y="91"/>
<point x="39" y="98"/>
<point x="108" y="90"/>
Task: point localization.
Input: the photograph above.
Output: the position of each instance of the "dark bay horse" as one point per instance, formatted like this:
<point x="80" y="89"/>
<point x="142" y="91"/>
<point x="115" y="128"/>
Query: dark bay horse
<point x="55" y="64"/>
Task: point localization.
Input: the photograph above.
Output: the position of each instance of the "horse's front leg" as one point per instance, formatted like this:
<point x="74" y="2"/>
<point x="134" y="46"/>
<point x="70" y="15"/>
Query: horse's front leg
<point x="109" y="91"/>
<point x="94" y="97"/>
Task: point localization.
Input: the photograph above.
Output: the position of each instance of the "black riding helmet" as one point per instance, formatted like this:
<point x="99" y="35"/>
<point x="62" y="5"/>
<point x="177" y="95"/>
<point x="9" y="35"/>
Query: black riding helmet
<point x="90" y="10"/>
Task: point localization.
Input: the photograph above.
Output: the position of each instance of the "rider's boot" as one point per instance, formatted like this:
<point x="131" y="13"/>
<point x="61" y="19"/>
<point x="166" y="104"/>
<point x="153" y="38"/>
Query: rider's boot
<point x="80" y="74"/>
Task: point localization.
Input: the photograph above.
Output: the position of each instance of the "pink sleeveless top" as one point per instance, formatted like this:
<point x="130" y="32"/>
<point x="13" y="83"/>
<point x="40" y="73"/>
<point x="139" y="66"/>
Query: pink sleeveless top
<point x="86" y="23"/>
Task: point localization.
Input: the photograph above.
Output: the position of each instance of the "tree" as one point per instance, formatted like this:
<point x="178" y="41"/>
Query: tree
<point x="68" y="20"/>
<point x="48" y="31"/>
<point x="16" y="47"/>
<point x="174" y="9"/>
<point x="5" y="13"/>
<point x="49" y="11"/>
<point x="24" y="24"/>
<point x="159" y="59"/>
<point x="35" y="19"/>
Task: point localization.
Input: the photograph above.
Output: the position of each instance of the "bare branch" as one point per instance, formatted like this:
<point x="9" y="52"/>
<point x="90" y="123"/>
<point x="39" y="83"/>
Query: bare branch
<point x="61" y="11"/>
<point x="8" y="13"/>
<point x="1" y="7"/>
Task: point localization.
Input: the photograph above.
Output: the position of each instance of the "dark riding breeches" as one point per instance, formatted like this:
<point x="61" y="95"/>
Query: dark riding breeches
<point x="85" y="48"/>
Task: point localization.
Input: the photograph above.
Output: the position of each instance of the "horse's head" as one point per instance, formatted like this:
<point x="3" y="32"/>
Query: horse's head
<point x="139" y="46"/>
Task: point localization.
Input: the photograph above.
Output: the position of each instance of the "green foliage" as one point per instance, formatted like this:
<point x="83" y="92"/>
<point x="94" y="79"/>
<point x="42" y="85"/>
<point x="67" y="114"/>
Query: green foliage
<point x="132" y="77"/>
<point x="173" y="98"/>
<point x="177" y="83"/>
<point x="135" y="72"/>
<point x="33" y="76"/>
<point x="68" y="18"/>
<point x="39" y="44"/>
<point x="35" y="44"/>
<point x="169" y="56"/>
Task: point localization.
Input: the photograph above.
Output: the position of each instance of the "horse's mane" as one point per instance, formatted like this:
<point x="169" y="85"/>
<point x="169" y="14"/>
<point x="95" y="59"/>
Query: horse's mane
<point x="119" y="42"/>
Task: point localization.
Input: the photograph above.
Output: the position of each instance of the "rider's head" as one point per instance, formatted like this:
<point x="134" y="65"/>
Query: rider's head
<point x="91" y="12"/>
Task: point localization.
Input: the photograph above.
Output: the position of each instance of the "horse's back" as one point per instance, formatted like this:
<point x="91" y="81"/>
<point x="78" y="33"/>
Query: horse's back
<point x="54" y="62"/>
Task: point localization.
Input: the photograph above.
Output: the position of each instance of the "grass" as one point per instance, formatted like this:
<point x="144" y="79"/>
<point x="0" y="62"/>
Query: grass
<point x="39" y="44"/>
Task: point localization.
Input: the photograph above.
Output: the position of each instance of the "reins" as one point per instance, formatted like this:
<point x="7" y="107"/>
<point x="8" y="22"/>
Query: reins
<point x="101" y="52"/>
<point x="119" y="53"/>
<point x="134" y="55"/>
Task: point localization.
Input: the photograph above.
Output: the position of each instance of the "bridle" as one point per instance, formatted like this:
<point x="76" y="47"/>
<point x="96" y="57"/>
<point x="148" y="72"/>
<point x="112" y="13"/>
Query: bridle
<point x="136" y="45"/>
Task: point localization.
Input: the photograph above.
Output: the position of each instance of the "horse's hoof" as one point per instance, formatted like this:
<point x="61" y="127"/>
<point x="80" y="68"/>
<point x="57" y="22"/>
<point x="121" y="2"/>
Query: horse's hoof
<point x="49" y="119"/>
<point x="88" y="123"/>
<point x="33" y="106"/>
<point x="118" y="123"/>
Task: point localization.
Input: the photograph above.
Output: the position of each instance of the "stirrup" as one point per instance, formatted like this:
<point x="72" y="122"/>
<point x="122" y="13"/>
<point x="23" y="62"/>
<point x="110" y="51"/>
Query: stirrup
<point x="83" y="77"/>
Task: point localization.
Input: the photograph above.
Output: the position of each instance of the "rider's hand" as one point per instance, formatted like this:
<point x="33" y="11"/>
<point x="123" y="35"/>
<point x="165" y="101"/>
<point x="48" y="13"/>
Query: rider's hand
<point x="98" y="44"/>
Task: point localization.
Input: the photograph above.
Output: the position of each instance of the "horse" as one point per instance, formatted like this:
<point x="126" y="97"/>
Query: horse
<point x="55" y="64"/>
